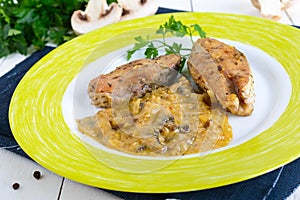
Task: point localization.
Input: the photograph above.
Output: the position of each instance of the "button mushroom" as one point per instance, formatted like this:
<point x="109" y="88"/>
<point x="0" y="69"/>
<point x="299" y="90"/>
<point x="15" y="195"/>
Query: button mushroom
<point x="96" y="15"/>
<point x="137" y="8"/>
<point x="272" y="9"/>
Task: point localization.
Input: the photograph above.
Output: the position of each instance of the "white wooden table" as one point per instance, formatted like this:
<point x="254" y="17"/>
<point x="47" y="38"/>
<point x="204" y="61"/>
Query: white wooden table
<point x="16" y="169"/>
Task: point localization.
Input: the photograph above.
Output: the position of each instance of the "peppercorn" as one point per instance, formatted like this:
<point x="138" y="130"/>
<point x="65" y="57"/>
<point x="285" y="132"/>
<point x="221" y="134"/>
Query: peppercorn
<point x="37" y="174"/>
<point x="16" y="186"/>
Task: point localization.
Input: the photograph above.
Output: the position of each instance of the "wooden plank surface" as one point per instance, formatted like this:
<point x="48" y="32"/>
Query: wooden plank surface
<point x="294" y="13"/>
<point x="15" y="169"/>
<point x="73" y="190"/>
<point x="231" y="6"/>
<point x="7" y="63"/>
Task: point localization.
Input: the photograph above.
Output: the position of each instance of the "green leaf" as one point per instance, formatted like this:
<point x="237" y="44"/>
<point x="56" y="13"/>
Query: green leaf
<point x="58" y="20"/>
<point x="140" y="39"/>
<point x="38" y="43"/>
<point x="5" y="31"/>
<point x="25" y="16"/>
<point x="5" y="16"/>
<point x="199" y="30"/>
<point x="20" y="44"/>
<point x="138" y="46"/>
<point x="130" y="53"/>
<point x="36" y="20"/>
<point x="173" y="27"/>
<point x="4" y="51"/>
<point x="39" y="29"/>
<point x="177" y="47"/>
<point x="111" y="1"/>
<point x="141" y="42"/>
<point x="174" y="49"/>
<point x="169" y="51"/>
<point x="12" y="32"/>
<point x="160" y="30"/>
<point x="151" y="51"/>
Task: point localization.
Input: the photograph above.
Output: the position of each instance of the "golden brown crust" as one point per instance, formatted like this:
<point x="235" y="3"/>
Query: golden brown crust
<point x="224" y="72"/>
<point x="101" y="87"/>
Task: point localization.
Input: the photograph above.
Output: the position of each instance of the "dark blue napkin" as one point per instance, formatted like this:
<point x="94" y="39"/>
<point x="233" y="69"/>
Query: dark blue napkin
<point x="274" y="185"/>
<point x="8" y="83"/>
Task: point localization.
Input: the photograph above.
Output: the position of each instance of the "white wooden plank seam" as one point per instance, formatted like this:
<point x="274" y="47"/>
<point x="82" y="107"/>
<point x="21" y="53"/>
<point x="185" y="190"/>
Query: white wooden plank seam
<point x="61" y="188"/>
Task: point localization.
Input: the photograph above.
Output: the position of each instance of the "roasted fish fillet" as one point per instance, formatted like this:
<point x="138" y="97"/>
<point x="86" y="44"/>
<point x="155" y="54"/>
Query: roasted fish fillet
<point x="101" y="88"/>
<point x="224" y="73"/>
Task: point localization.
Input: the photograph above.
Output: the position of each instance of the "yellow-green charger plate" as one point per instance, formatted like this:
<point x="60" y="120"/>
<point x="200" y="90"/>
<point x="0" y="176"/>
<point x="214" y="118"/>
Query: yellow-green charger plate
<point x="38" y="124"/>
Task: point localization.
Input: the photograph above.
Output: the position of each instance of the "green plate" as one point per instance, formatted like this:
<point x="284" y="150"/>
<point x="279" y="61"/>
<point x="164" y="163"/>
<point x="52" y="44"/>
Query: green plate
<point x="38" y="124"/>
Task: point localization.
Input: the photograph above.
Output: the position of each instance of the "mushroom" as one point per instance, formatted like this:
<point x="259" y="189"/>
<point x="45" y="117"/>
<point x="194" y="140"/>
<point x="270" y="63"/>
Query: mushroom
<point x="137" y="8"/>
<point x="272" y="9"/>
<point x="96" y="15"/>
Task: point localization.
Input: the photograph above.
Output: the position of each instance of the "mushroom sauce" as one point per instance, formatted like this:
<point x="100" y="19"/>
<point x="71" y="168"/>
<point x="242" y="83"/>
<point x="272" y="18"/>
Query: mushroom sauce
<point x="160" y="121"/>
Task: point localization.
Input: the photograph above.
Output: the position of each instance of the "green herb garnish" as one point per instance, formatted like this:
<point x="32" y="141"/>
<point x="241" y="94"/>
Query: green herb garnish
<point x="111" y="1"/>
<point x="27" y="25"/>
<point x="172" y="27"/>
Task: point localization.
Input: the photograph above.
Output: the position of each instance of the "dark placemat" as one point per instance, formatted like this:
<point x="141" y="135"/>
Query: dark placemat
<point x="277" y="184"/>
<point x="8" y="83"/>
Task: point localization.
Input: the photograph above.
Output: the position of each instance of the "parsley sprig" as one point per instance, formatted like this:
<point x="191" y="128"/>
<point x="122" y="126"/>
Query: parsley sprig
<point x="171" y="27"/>
<point x="27" y="25"/>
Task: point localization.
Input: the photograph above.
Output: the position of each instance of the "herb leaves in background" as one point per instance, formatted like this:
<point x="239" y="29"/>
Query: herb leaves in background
<point x="27" y="25"/>
<point x="111" y="1"/>
<point x="172" y="27"/>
